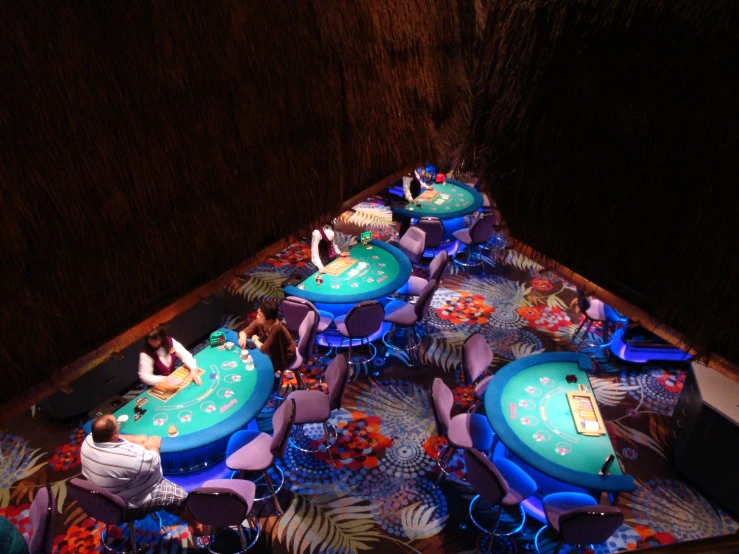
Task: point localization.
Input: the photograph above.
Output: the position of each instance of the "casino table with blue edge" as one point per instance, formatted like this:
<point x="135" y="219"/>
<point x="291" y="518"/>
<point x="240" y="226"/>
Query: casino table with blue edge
<point x="526" y="404"/>
<point x="387" y="269"/>
<point x="463" y="200"/>
<point x="205" y="416"/>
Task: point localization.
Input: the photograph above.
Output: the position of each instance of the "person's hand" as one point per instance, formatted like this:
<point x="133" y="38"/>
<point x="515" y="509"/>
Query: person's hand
<point x="431" y="187"/>
<point x="153" y="443"/>
<point x="418" y="204"/>
<point x="196" y="377"/>
<point x="344" y="254"/>
<point x="242" y="339"/>
<point x="322" y="270"/>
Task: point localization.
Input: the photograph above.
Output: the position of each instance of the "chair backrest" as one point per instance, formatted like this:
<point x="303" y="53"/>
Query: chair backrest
<point x="294" y="310"/>
<point x="442" y="401"/>
<point x="438" y="265"/>
<point x="424" y="300"/>
<point x="335" y="375"/>
<point x="590" y="525"/>
<point x="217" y="506"/>
<point x="482" y="228"/>
<point x="97" y="502"/>
<point x="42" y="519"/>
<point x="306" y="334"/>
<point x="476" y="357"/>
<point x="484" y="477"/>
<point x="434" y="229"/>
<point x="282" y="423"/>
<point x="364" y="319"/>
<point x="413" y="243"/>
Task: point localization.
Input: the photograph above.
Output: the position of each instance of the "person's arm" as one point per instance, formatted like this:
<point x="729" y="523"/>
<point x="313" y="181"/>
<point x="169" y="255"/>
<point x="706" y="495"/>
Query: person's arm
<point x="136" y="439"/>
<point x="336" y="246"/>
<point x="146" y="371"/>
<point x="315" y="257"/>
<point x="187" y="359"/>
<point x="244" y="334"/>
<point x="424" y="186"/>
<point x="267" y="344"/>
<point x="152" y="444"/>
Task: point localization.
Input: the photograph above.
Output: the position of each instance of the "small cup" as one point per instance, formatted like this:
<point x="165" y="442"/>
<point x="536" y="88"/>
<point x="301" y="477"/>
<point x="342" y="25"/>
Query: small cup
<point x="122" y="419"/>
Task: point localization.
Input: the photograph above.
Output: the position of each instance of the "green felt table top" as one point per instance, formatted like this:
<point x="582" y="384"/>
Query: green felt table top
<point x="544" y="423"/>
<point x="455" y="199"/>
<point x="226" y="386"/>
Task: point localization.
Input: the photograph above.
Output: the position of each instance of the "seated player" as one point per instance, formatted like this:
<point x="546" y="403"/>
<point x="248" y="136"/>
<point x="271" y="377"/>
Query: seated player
<point x="270" y="336"/>
<point x="323" y="247"/>
<point x="130" y="467"/>
<point x="157" y="358"/>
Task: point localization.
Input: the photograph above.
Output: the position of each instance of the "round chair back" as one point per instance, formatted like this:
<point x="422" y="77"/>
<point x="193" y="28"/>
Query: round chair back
<point x="306" y="332"/>
<point x="482" y="228"/>
<point x="590" y="525"/>
<point x="484" y="477"/>
<point x="434" y="229"/>
<point x="336" y="374"/>
<point x="294" y="310"/>
<point x="220" y="506"/>
<point x="442" y="401"/>
<point x="98" y="503"/>
<point x="438" y="265"/>
<point x="364" y="319"/>
<point x="424" y="300"/>
<point x="476" y="357"/>
<point x="42" y="519"/>
<point x="282" y="423"/>
<point x="413" y="243"/>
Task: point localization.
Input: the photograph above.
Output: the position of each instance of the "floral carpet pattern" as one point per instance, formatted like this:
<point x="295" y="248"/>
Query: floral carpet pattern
<point x="378" y="492"/>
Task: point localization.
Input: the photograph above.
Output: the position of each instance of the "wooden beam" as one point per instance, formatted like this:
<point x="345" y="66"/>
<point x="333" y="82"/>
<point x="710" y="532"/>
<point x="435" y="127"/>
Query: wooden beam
<point x="62" y="378"/>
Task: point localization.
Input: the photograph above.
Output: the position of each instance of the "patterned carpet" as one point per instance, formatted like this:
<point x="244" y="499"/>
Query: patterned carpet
<point x="379" y="495"/>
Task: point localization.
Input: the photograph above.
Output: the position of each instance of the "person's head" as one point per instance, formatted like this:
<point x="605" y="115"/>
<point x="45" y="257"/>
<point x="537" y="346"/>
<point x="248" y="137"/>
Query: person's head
<point x="268" y="310"/>
<point x="156" y="338"/>
<point x="105" y="429"/>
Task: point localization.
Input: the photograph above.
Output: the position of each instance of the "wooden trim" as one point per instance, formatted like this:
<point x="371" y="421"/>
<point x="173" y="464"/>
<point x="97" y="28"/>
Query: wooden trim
<point x="61" y="378"/>
<point x="715" y="361"/>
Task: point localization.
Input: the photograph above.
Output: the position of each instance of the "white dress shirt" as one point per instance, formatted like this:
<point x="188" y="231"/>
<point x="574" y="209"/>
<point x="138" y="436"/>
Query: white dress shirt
<point x="316" y="238"/>
<point x="407" y="187"/>
<point x="146" y="363"/>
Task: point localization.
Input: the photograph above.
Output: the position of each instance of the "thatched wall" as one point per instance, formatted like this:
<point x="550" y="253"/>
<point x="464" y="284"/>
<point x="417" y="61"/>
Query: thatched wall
<point x="609" y="135"/>
<point x="149" y="147"/>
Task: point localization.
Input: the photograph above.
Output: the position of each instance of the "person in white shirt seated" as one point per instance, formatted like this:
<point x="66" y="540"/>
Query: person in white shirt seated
<point x="129" y="466"/>
<point x="158" y="356"/>
<point x="323" y="247"/>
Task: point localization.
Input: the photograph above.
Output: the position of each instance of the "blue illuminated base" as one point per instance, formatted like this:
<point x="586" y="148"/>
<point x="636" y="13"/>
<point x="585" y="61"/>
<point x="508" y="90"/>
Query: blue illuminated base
<point x="644" y="354"/>
<point x="335" y="338"/>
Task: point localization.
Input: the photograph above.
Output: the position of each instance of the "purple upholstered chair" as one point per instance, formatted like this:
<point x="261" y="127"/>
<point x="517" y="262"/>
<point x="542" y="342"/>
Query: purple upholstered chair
<point x="224" y="503"/>
<point x="42" y="514"/>
<point x="463" y="431"/>
<point x="475" y="235"/>
<point x="295" y="309"/>
<point x="578" y="519"/>
<point x="415" y="285"/>
<point x="500" y="484"/>
<point x="413" y="243"/>
<point x="312" y="406"/>
<point x="476" y="358"/>
<point x="595" y="311"/>
<point x="261" y="451"/>
<point x="361" y="322"/>
<point x="405" y="316"/>
<point x="304" y="351"/>
<point x="108" y="508"/>
<point x="434" y="229"/>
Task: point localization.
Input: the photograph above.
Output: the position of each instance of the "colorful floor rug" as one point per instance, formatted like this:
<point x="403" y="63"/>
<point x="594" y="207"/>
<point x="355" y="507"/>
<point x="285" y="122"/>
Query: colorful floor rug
<point x="379" y="494"/>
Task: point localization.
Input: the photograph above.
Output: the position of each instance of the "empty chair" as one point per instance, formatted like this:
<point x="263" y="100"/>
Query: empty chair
<point x="224" y="503"/>
<point x="500" y="484"/>
<point x="415" y="285"/>
<point x="361" y="322"/>
<point x="312" y="406"/>
<point x="474" y="236"/>
<point x="413" y="243"/>
<point x="476" y="358"/>
<point x="295" y="309"/>
<point x="304" y="351"/>
<point x="107" y="508"/>
<point x="407" y="316"/>
<point x="578" y="519"/>
<point x="434" y="229"/>
<point x="258" y="452"/>
<point x="462" y="431"/>
<point x="595" y="311"/>
<point x="42" y="522"/>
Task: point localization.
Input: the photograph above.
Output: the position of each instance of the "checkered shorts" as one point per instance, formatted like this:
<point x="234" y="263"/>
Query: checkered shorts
<point x="165" y="496"/>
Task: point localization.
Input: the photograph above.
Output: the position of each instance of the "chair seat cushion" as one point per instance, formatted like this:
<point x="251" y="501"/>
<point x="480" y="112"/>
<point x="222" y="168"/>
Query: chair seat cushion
<point x="597" y="310"/>
<point x="400" y="312"/>
<point x="254" y="456"/>
<point x="239" y="439"/>
<point x="311" y="406"/>
<point x="470" y="431"/>
<point x="414" y="286"/>
<point x="297" y="363"/>
<point x="558" y="503"/>
<point x="463" y="235"/>
<point x="481" y="387"/>
<point x="240" y="487"/>
<point x="520" y="483"/>
<point x="325" y="319"/>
